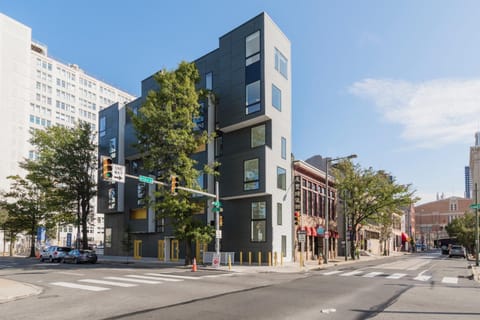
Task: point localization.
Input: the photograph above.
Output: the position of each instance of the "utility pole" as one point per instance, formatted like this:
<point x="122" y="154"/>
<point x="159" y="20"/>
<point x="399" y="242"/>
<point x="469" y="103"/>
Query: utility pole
<point x="217" y="220"/>
<point x="476" y="225"/>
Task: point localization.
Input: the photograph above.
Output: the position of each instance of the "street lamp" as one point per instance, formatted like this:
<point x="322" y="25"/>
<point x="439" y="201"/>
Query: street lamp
<point x="326" y="246"/>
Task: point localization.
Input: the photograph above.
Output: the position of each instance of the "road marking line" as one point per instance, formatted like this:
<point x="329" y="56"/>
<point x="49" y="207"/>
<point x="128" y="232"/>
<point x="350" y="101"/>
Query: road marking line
<point x="452" y="280"/>
<point x="421" y="264"/>
<point x="331" y="272"/>
<point x="352" y="273"/>
<point x="156" y="276"/>
<point x="174" y="276"/>
<point x="71" y="273"/>
<point x="79" y="286"/>
<point x="152" y="278"/>
<point x="372" y="274"/>
<point x="110" y="283"/>
<point x="133" y="280"/>
<point x="422" y="278"/>
<point x="396" y="276"/>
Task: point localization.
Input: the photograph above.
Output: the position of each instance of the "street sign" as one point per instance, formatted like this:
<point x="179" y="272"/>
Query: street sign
<point x="216" y="260"/>
<point x="302" y="235"/>
<point x="118" y="173"/>
<point x="145" y="179"/>
<point x="218" y="234"/>
<point x="475" y="206"/>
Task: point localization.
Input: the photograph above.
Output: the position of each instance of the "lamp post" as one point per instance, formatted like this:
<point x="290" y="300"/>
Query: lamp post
<point x="326" y="246"/>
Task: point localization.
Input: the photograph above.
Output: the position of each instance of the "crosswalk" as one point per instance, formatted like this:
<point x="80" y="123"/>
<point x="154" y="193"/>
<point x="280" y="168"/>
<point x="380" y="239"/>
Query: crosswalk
<point x="126" y="281"/>
<point x="421" y="277"/>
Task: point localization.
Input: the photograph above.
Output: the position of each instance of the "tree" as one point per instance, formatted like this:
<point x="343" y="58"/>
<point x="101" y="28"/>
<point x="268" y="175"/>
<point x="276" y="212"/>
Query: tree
<point x="167" y="141"/>
<point x="463" y="229"/>
<point x="68" y="157"/>
<point x="373" y="195"/>
<point x="27" y="205"/>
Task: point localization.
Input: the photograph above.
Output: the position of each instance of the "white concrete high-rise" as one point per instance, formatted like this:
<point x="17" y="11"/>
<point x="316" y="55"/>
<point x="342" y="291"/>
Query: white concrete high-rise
<point x="37" y="91"/>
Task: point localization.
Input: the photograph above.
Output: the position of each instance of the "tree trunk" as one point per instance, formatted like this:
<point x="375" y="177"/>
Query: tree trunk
<point x="188" y="252"/>
<point x="352" y="244"/>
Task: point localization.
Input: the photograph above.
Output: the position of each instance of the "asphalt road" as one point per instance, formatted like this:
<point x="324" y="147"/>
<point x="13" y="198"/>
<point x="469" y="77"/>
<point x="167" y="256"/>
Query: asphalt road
<point x="428" y="286"/>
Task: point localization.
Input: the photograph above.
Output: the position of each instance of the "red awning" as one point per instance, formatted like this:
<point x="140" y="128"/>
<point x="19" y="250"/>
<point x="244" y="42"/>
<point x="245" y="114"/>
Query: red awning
<point x="309" y="231"/>
<point x="314" y="231"/>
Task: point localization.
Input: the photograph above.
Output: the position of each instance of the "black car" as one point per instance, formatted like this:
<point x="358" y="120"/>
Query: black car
<point x="79" y="256"/>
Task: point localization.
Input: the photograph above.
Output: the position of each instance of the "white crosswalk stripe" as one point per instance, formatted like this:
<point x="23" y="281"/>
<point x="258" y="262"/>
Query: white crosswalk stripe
<point x="422" y="278"/>
<point x="109" y="283"/>
<point x="158" y="277"/>
<point x="352" y="273"/>
<point x="396" y="276"/>
<point x="450" y="280"/>
<point x="174" y="276"/>
<point x="133" y="280"/>
<point x="152" y="278"/>
<point x="331" y="272"/>
<point x="372" y="274"/>
<point x="79" y="286"/>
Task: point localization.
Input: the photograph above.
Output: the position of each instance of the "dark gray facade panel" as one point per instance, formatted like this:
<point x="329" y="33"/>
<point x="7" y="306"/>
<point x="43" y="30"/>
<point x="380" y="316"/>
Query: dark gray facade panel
<point x="236" y="231"/>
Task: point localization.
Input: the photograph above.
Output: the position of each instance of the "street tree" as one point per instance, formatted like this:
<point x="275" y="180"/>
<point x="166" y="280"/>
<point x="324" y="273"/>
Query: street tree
<point x="68" y="157"/>
<point x="373" y="196"/>
<point x="463" y="229"/>
<point x="168" y="137"/>
<point x="28" y="206"/>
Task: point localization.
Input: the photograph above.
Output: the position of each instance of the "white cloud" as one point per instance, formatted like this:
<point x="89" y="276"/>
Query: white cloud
<point x="431" y="113"/>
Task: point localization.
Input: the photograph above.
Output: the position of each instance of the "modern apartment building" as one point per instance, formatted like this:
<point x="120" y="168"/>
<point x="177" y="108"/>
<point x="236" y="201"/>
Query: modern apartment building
<point x="250" y="75"/>
<point x="38" y="91"/>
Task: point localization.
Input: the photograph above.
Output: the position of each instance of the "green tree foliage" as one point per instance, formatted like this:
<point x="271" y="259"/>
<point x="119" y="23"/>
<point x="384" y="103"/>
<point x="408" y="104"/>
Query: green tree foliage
<point x="167" y="140"/>
<point x="372" y="196"/>
<point x="463" y="229"/>
<point x="28" y="206"/>
<point x="68" y="157"/>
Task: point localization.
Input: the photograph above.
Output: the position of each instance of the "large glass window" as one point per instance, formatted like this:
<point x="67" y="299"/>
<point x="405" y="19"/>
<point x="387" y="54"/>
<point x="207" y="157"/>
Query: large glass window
<point x="253" y="97"/>
<point x="281" y="178"/>
<point x="281" y="63"/>
<point x="284" y="148"/>
<point x="251" y="179"/>
<point x="257" y="136"/>
<point x="252" y="45"/>
<point x="141" y="194"/>
<point x="258" y="221"/>
<point x="209" y="81"/>
<point x="276" y="98"/>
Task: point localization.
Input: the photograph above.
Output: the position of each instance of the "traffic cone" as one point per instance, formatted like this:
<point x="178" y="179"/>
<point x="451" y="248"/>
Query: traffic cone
<point x="194" y="267"/>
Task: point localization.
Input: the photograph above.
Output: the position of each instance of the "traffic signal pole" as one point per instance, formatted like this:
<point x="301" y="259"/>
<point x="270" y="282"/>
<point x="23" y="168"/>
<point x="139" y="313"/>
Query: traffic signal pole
<point x="217" y="220"/>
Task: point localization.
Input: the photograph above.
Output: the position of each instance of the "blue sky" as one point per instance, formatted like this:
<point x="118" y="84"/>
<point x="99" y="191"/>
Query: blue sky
<point x="396" y="82"/>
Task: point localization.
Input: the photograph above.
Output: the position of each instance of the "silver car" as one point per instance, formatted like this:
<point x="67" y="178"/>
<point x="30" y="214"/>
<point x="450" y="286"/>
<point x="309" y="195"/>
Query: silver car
<point x="457" y="251"/>
<point x="54" y="253"/>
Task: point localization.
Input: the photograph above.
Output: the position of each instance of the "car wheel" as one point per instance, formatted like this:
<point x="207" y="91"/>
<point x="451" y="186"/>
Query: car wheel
<point x="41" y="259"/>
<point x="50" y="259"/>
<point x="75" y="261"/>
<point x="449" y="256"/>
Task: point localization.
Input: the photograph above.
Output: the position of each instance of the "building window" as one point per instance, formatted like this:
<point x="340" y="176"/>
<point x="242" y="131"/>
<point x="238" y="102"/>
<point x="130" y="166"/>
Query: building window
<point x="257" y="136"/>
<point x="112" y="199"/>
<point x="279" y="214"/>
<point x="252" y="48"/>
<point x="112" y="150"/>
<point x="284" y="148"/>
<point x="209" y="81"/>
<point x="251" y="179"/>
<point x="276" y="98"/>
<point x="253" y="97"/>
<point x="281" y="178"/>
<point x="199" y="120"/>
<point x="160" y="225"/>
<point x="218" y="146"/>
<point x="141" y="194"/>
<point x="281" y="63"/>
<point x="103" y="126"/>
<point x="259" y="221"/>
<point x="284" y="246"/>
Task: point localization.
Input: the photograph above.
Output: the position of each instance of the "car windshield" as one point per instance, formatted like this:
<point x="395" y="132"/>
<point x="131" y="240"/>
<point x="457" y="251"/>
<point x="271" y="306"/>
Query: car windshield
<point x="456" y="247"/>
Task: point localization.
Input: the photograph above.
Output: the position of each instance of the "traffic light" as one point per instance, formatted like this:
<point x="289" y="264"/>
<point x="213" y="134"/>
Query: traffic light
<point x="220" y="220"/>
<point x="174" y="184"/>
<point x="107" y="168"/>
<point x="296" y="217"/>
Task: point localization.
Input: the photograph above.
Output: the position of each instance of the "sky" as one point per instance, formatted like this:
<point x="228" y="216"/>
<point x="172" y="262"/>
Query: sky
<point x="395" y="82"/>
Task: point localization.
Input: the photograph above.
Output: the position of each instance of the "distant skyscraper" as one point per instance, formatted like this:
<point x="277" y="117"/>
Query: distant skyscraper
<point x="468" y="183"/>
<point x="477" y="138"/>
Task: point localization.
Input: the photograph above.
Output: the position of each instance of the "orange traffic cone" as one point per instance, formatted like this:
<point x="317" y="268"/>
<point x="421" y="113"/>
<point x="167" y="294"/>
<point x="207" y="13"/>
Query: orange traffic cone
<point x="194" y="267"/>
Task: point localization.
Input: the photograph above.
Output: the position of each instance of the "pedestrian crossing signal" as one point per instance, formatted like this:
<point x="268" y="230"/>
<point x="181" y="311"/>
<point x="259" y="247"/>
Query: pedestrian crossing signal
<point x="296" y="217"/>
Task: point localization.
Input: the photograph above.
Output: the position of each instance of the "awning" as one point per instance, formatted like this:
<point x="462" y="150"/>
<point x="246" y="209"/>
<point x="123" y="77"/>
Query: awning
<point x="309" y="231"/>
<point x="404" y="237"/>
<point x="314" y="231"/>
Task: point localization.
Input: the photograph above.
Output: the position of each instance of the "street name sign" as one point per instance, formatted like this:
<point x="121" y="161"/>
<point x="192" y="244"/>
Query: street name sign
<point x="475" y="206"/>
<point x="118" y="173"/>
<point x="145" y="179"/>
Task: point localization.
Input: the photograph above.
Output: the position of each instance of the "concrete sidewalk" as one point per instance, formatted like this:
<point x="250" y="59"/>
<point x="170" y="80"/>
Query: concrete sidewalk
<point x="12" y="290"/>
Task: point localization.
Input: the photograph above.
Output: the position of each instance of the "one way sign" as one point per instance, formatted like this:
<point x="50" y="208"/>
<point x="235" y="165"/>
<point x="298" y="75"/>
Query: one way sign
<point x="118" y="173"/>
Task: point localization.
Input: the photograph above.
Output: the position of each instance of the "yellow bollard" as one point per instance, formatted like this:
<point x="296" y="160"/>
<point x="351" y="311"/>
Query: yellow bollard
<point x="301" y="259"/>
<point x="241" y="257"/>
<point x="229" y="262"/>
<point x="275" y="258"/>
<point x="259" y="258"/>
<point x="269" y="259"/>
<point x="249" y="258"/>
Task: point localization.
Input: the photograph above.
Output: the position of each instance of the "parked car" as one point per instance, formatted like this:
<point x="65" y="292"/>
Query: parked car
<point x="54" y="253"/>
<point x="79" y="256"/>
<point x="457" y="251"/>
